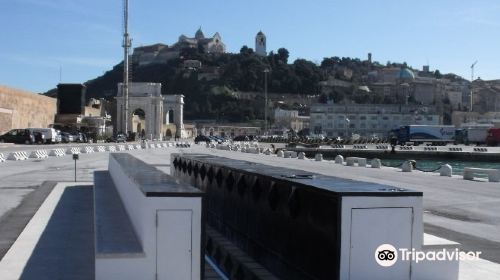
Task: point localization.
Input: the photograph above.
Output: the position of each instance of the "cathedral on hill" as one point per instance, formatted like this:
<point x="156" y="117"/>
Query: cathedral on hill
<point x="161" y="53"/>
<point x="213" y="44"/>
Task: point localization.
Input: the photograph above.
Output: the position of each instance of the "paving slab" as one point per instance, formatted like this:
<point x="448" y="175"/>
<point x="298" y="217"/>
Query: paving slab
<point x="456" y="209"/>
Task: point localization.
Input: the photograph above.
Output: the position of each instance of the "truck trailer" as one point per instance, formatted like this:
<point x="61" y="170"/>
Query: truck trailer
<point x="429" y="134"/>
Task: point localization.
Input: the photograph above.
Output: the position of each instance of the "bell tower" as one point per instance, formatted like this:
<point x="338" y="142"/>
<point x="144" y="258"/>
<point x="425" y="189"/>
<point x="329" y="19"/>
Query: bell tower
<point x="260" y="44"/>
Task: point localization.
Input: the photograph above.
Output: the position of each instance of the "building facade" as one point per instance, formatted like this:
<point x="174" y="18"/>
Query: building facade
<point x="367" y="120"/>
<point x="289" y="119"/>
<point x="22" y="109"/>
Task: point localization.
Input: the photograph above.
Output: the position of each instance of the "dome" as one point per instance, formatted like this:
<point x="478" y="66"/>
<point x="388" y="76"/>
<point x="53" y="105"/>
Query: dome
<point x="405" y="74"/>
<point x="199" y="34"/>
<point x="260" y="33"/>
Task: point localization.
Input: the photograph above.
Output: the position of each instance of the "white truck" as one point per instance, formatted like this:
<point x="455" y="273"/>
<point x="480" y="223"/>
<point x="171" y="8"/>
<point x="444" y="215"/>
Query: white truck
<point x="473" y="134"/>
<point x="430" y="134"/>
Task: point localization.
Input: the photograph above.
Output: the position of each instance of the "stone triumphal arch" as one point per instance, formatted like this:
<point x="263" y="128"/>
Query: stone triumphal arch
<point x="151" y="114"/>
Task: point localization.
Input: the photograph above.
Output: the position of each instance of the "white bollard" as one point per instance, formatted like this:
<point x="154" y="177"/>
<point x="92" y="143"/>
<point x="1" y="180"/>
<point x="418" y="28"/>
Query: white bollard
<point x="362" y="162"/>
<point x="339" y="159"/>
<point x="267" y="152"/>
<point x="301" y="155"/>
<point x="318" y="157"/>
<point x="376" y="163"/>
<point x="280" y="153"/>
<point x="445" y="170"/>
<point x="350" y="161"/>
<point x="407" y="166"/>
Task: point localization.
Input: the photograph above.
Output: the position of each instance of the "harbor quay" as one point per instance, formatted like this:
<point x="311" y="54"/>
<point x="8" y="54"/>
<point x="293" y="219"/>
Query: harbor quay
<point x="41" y="203"/>
<point x="447" y="152"/>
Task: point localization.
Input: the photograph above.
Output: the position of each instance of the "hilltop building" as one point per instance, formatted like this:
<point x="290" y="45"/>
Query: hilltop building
<point x="161" y="53"/>
<point x="260" y="44"/>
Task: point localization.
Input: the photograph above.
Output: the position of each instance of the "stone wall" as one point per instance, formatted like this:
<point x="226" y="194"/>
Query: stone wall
<point x="22" y="109"/>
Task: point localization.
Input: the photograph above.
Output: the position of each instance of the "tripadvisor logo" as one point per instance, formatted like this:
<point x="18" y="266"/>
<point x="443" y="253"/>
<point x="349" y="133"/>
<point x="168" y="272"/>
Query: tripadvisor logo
<point x="387" y="255"/>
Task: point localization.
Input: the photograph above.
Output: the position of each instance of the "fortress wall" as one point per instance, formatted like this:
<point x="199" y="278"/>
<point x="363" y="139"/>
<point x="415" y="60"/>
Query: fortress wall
<point x="22" y="109"/>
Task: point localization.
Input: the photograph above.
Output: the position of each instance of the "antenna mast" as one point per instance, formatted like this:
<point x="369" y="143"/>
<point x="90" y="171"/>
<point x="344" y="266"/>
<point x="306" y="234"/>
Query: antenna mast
<point x="126" y="46"/>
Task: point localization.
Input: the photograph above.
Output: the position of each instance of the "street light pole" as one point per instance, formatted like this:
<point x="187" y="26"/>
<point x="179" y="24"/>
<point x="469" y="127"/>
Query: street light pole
<point x="471" y="81"/>
<point x="265" y="102"/>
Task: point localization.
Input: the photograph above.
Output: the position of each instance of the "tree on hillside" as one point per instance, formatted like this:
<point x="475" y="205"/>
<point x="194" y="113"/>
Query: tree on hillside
<point x="283" y="55"/>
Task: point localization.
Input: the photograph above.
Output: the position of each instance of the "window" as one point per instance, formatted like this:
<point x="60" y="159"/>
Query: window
<point x="362" y="118"/>
<point x="352" y="125"/>
<point x="374" y="118"/>
<point x="385" y="118"/>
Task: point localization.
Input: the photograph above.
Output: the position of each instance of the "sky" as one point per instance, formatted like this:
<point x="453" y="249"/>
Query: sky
<point x="44" y="42"/>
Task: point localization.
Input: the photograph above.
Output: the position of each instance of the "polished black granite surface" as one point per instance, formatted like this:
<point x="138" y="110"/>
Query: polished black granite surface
<point x="336" y="185"/>
<point x="151" y="181"/>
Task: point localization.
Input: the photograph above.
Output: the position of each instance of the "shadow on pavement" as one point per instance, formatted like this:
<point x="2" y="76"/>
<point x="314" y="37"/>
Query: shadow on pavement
<point x="66" y="247"/>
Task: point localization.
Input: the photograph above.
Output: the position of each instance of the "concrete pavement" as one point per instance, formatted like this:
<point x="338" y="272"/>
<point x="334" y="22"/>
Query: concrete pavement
<point x="459" y="210"/>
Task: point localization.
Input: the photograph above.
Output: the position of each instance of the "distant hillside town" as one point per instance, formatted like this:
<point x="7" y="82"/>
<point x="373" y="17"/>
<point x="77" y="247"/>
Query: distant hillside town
<point x="221" y="89"/>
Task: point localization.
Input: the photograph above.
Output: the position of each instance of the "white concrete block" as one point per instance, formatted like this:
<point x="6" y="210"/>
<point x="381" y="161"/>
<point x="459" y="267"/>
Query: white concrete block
<point x="318" y="157"/>
<point x="407" y="166"/>
<point x="339" y="159"/>
<point x="301" y="155"/>
<point x="280" y="153"/>
<point x="376" y="163"/>
<point x="445" y="170"/>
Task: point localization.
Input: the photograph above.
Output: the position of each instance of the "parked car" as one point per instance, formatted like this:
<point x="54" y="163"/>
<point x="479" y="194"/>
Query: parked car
<point x="117" y="138"/>
<point x="81" y="137"/>
<point x="241" y="138"/>
<point x="58" y="137"/>
<point x="201" y="138"/>
<point x="67" y="137"/>
<point x="18" y="136"/>
<point x="39" y="137"/>
<point x="50" y="134"/>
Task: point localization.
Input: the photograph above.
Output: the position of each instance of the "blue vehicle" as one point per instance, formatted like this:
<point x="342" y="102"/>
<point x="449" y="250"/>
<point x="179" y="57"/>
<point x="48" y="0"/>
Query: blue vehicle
<point x="419" y="134"/>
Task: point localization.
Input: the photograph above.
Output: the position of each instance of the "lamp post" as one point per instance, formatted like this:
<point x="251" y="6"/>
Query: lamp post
<point x="471" y="84"/>
<point x="265" y="102"/>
